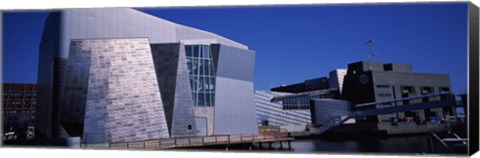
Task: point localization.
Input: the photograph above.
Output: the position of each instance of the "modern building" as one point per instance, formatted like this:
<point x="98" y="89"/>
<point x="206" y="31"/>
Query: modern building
<point x="119" y="74"/>
<point x="300" y="94"/>
<point x="374" y="81"/>
<point x="336" y="79"/>
<point x="288" y="106"/>
<point x="362" y="96"/>
<point x="367" y="82"/>
<point x="19" y="102"/>
<point x="273" y="114"/>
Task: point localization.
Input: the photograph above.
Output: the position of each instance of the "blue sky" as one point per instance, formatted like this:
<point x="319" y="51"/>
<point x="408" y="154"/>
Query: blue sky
<point x="296" y="43"/>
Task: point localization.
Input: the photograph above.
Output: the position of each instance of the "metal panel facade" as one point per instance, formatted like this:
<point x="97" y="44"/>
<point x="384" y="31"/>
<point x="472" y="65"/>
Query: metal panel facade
<point x="171" y="70"/>
<point x="126" y="23"/>
<point x="274" y="114"/>
<point x="236" y="63"/>
<point x="234" y="99"/>
<point x="234" y="107"/>
<point x="120" y="23"/>
<point x="123" y="101"/>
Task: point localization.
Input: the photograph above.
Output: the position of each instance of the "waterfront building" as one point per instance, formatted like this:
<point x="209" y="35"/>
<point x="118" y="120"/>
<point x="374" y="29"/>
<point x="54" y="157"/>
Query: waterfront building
<point x="19" y="101"/>
<point x="374" y="82"/>
<point x="110" y="75"/>
<point x="338" y="96"/>
<point x="273" y="114"/>
<point x="288" y="106"/>
<point x="299" y="94"/>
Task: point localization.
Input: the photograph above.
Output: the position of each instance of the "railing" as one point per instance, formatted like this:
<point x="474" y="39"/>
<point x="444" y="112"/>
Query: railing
<point x="271" y="129"/>
<point x="190" y="141"/>
<point x="336" y="121"/>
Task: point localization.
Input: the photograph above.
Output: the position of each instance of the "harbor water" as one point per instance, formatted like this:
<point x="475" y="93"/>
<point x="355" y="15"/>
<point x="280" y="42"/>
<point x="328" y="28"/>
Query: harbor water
<point x="404" y="144"/>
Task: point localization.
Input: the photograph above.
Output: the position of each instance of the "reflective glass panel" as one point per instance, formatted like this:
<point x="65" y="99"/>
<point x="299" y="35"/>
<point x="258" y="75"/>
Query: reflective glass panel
<point x="202" y="75"/>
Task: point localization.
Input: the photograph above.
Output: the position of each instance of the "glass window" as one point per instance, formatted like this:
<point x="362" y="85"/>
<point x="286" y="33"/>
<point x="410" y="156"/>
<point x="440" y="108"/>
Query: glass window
<point x="207" y="99"/>
<point x="201" y="65"/>
<point x="384" y="94"/>
<point x="188" y="51"/>
<point x="194" y="95"/>
<point x="189" y="66"/>
<point x="210" y="67"/>
<point x="212" y="84"/>
<point x="426" y="90"/>
<point x="195" y="51"/>
<point x="383" y="86"/>
<point x="201" y="74"/>
<point x="444" y="89"/>
<point x="201" y="99"/>
<point x="201" y="84"/>
<point x="206" y="53"/>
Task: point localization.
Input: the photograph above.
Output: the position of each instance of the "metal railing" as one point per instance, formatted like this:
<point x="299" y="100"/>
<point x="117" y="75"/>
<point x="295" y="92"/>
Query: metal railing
<point x="336" y="121"/>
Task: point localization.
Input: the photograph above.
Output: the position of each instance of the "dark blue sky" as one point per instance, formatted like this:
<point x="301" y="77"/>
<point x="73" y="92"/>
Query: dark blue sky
<point x="296" y="43"/>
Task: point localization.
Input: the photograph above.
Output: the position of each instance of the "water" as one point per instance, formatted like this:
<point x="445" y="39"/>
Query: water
<point x="416" y="144"/>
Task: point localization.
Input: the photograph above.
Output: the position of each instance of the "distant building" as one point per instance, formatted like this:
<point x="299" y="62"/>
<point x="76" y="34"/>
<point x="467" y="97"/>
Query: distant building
<point x="298" y="95"/>
<point x="336" y="79"/>
<point x="288" y="106"/>
<point x="19" y="102"/>
<point x="374" y="81"/>
<point x="337" y="96"/>
<point x="273" y="114"/>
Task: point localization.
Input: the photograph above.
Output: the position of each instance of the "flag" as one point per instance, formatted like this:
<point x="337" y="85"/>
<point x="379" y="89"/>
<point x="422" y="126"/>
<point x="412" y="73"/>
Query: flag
<point x="369" y="43"/>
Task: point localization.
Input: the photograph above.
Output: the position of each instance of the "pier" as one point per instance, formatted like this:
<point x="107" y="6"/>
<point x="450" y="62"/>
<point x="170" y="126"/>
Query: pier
<point x="198" y="141"/>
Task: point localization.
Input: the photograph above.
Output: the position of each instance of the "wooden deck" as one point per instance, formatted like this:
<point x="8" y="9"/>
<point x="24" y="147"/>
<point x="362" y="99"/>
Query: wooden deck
<point x="200" y="141"/>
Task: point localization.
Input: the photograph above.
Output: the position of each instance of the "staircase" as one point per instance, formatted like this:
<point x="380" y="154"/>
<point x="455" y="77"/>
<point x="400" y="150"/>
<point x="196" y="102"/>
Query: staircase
<point x="334" y="122"/>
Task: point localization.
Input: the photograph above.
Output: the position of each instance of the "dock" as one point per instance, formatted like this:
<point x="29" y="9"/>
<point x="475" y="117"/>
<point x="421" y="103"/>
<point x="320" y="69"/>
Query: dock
<point x="198" y="141"/>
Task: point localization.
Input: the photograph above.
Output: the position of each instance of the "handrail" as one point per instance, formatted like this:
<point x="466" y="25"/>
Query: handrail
<point x="438" y="138"/>
<point x="332" y="123"/>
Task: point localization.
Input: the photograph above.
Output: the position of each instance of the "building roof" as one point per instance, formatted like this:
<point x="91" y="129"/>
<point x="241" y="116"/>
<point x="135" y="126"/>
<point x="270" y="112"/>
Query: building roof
<point x="306" y="86"/>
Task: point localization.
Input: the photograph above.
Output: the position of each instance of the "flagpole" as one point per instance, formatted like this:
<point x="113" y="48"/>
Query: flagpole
<point x="372" y="54"/>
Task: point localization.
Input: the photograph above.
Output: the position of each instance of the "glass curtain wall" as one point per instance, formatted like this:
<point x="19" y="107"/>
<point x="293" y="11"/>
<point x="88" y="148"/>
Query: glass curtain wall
<point x="302" y="102"/>
<point x="201" y="74"/>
